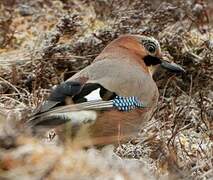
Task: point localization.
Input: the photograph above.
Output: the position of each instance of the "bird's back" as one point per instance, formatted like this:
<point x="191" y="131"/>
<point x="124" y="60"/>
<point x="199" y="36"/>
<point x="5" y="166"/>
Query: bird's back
<point x="118" y="74"/>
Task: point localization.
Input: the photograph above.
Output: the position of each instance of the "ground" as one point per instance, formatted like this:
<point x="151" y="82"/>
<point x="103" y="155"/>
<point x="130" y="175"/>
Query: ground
<point x="42" y="43"/>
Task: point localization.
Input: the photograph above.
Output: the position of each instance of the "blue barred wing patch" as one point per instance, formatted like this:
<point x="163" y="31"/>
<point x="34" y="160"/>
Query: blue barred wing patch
<point x="127" y="103"/>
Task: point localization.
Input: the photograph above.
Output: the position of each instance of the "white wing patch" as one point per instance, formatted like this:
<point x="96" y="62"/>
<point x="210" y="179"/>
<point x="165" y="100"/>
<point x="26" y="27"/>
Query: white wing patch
<point x="94" y="95"/>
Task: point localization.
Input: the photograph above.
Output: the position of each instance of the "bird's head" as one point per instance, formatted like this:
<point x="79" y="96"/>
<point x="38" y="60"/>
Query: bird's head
<point x="154" y="57"/>
<point x="148" y="48"/>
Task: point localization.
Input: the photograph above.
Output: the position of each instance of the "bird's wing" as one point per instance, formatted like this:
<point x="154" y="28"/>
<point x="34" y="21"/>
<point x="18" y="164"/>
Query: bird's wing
<point x="104" y="80"/>
<point x="58" y="96"/>
<point x="88" y="96"/>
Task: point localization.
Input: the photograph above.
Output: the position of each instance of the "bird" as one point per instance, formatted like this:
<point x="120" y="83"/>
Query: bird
<point x="108" y="101"/>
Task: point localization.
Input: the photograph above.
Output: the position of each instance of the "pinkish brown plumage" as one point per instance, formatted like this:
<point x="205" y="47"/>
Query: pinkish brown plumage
<point x="124" y="68"/>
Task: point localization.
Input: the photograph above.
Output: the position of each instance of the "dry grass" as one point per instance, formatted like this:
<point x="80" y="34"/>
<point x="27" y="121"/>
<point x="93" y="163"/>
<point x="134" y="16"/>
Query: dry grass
<point x="44" y="43"/>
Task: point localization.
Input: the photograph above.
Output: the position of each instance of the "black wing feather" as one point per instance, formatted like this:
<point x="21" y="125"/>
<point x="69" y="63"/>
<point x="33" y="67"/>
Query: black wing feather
<point x="72" y="89"/>
<point x="58" y="96"/>
<point x="63" y="90"/>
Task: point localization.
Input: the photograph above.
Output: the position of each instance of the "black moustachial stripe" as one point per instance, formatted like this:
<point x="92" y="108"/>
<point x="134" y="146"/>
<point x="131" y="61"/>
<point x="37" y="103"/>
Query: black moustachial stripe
<point x="151" y="60"/>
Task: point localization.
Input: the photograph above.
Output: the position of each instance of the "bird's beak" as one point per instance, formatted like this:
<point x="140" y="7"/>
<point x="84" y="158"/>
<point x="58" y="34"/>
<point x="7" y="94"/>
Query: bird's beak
<point x="171" y="66"/>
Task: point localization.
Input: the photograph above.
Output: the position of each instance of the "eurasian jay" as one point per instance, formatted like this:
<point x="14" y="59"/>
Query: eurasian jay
<point x="112" y="97"/>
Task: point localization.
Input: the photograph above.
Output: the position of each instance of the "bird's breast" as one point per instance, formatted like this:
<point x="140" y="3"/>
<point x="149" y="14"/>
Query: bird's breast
<point x="123" y="78"/>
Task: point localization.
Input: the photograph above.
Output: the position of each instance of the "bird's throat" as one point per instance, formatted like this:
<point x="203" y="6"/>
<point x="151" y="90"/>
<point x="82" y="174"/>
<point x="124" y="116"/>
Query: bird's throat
<point x="152" y="69"/>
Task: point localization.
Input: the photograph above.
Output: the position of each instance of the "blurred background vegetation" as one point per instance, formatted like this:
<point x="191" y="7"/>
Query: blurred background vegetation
<point x="43" y="42"/>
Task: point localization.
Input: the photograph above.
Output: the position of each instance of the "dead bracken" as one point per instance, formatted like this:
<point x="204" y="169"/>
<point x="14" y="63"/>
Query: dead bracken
<point x="44" y="43"/>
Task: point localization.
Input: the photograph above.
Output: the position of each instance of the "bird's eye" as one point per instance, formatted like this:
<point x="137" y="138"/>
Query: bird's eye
<point x="151" y="49"/>
<point x="150" y="46"/>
